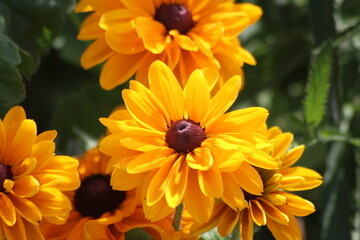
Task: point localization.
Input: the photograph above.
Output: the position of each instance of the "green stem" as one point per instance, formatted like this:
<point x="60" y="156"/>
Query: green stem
<point x="235" y="235"/>
<point x="177" y="217"/>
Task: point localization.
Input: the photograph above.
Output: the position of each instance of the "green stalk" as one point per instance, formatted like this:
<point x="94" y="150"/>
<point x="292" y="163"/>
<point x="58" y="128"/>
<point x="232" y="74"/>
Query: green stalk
<point x="177" y="217"/>
<point x="235" y="235"/>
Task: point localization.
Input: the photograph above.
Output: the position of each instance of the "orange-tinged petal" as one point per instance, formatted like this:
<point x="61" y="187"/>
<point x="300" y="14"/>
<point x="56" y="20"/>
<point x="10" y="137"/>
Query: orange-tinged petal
<point x="223" y="99"/>
<point x="83" y="6"/>
<point x="197" y="204"/>
<point x="150" y="160"/>
<point x="260" y="158"/>
<point x="228" y="221"/>
<point x="7" y="210"/>
<point x="242" y="120"/>
<point x="273" y="212"/>
<point x="257" y="212"/>
<point x="123" y="39"/>
<point x="246" y="226"/>
<point x="200" y="228"/>
<point x="311" y="178"/>
<point x="12" y="121"/>
<point x="157" y="185"/>
<point x="46" y="136"/>
<point x="2" y="139"/>
<point x="200" y="158"/>
<point x="33" y="231"/>
<point x="177" y="183"/>
<point x="116" y="17"/>
<point x="172" y="53"/>
<point x="211" y="76"/>
<point x="90" y="28"/>
<point x="143" y="7"/>
<point x="152" y="33"/>
<point x="297" y="205"/>
<point x="290" y="231"/>
<point x="157" y="211"/>
<point x="247" y="57"/>
<point x="25" y="168"/>
<point x="211" y="182"/>
<point x="292" y="156"/>
<point x="124" y="181"/>
<point x="167" y="89"/>
<point x="143" y="111"/>
<point x="26" y="209"/>
<point x="275" y="198"/>
<point x="111" y="77"/>
<point x="96" y="229"/>
<point x="26" y="186"/>
<point x="16" y="231"/>
<point x="282" y="143"/>
<point x="142" y="144"/>
<point x="233" y="196"/>
<point x="291" y="182"/>
<point x="42" y="151"/>
<point x="249" y="179"/>
<point x="197" y="101"/>
<point x="252" y="11"/>
<point x="22" y="143"/>
<point x="184" y="41"/>
<point x="96" y="53"/>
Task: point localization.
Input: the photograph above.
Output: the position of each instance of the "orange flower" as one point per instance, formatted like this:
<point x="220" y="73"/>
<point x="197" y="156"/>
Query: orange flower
<point x="185" y="34"/>
<point x="275" y="207"/>
<point x="32" y="178"/>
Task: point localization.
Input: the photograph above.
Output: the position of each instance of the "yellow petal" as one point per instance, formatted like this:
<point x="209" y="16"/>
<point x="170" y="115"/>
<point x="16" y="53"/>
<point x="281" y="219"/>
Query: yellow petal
<point x="46" y="136"/>
<point x="200" y="158"/>
<point x="257" y="212"/>
<point x="197" y="204"/>
<point x="144" y="7"/>
<point x="273" y="212"/>
<point x="152" y="33"/>
<point x="224" y="98"/>
<point x="26" y="186"/>
<point x="298" y="206"/>
<point x="150" y="160"/>
<point x="123" y="39"/>
<point x="22" y="142"/>
<point x="282" y="142"/>
<point x="142" y="144"/>
<point x="157" y="211"/>
<point x="184" y="41"/>
<point x="111" y="76"/>
<point x="290" y="231"/>
<point x="90" y="28"/>
<point x="233" y="196"/>
<point x="7" y="210"/>
<point x="26" y="209"/>
<point x="143" y="111"/>
<point x="25" y="168"/>
<point x="311" y="178"/>
<point x="116" y="17"/>
<point x="197" y="97"/>
<point x="253" y="11"/>
<point x="228" y="221"/>
<point x="246" y="226"/>
<point x="211" y="182"/>
<point x="2" y="139"/>
<point x="124" y="181"/>
<point x="167" y="89"/>
<point x="15" y="232"/>
<point x="12" y="121"/>
<point x="96" y="53"/>
<point x="33" y="231"/>
<point x="158" y="184"/>
<point x="172" y="53"/>
<point x="275" y="198"/>
<point x="177" y="183"/>
<point x="249" y="179"/>
<point x="292" y="156"/>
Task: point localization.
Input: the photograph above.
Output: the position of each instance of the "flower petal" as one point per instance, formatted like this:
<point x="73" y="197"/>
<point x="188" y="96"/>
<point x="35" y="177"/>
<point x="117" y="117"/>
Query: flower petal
<point x="211" y="182"/>
<point x="292" y="156"/>
<point x="228" y="221"/>
<point x="273" y="212"/>
<point x="167" y="89"/>
<point x="257" y="212"/>
<point x="233" y="196"/>
<point x="311" y="178"/>
<point x="297" y="205"/>
<point x="7" y="211"/>
<point x="177" y="183"/>
<point x="26" y="186"/>
<point x="152" y="33"/>
<point x="124" y="181"/>
<point x="200" y="158"/>
<point x="246" y="226"/>
<point x="249" y="179"/>
<point x="150" y="160"/>
<point x="96" y="53"/>
<point x="16" y="231"/>
<point x="111" y="77"/>
<point x="27" y="209"/>
<point x="197" y="102"/>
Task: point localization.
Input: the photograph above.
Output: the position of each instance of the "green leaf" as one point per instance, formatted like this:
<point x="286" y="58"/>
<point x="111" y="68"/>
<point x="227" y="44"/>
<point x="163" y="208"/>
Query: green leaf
<point x="318" y="86"/>
<point x="137" y="234"/>
<point x="12" y="89"/>
<point x="28" y="65"/>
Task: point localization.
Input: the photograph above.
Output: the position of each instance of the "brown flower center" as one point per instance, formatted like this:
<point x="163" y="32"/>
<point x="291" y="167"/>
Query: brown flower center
<point x="5" y="173"/>
<point x="175" y="16"/>
<point x="184" y="136"/>
<point x="95" y="196"/>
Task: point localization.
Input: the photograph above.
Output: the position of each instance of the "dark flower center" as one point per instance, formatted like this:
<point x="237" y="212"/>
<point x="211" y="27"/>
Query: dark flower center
<point x="175" y="16"/>
<point x="5" y="173"/>
<point x="95" y="196"/>
<point x="184" y="136"/>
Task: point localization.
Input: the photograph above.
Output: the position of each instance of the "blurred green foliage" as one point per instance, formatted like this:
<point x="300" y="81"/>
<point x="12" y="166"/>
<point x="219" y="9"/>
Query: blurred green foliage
<point x="307" y="76"/>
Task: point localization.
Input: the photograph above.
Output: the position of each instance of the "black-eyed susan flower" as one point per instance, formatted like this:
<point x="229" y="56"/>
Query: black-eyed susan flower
<point x="179" y="146"/>
<point x="32" y="178"/>
<point x="276" y="207"/>
<point x="101" y="213"/>
<point x="186" y="35"/>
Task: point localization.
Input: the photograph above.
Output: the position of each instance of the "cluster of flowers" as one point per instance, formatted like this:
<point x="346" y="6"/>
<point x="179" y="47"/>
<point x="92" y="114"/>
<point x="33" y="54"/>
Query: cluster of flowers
<point x="172" y="148"/>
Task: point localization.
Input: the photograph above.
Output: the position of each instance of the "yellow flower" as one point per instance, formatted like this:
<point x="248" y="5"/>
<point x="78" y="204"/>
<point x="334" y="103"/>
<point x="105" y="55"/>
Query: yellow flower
<point x="32" y="178"/>
<point x="129" y="35"/>
<point x="100" y="212"/>
<point x="181" y="147"/>
<point x="275" y="207"/>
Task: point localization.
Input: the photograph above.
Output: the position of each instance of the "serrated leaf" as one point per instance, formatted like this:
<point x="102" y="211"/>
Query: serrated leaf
<point x="318" y="86"/>
<point x="137" y="234"/>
